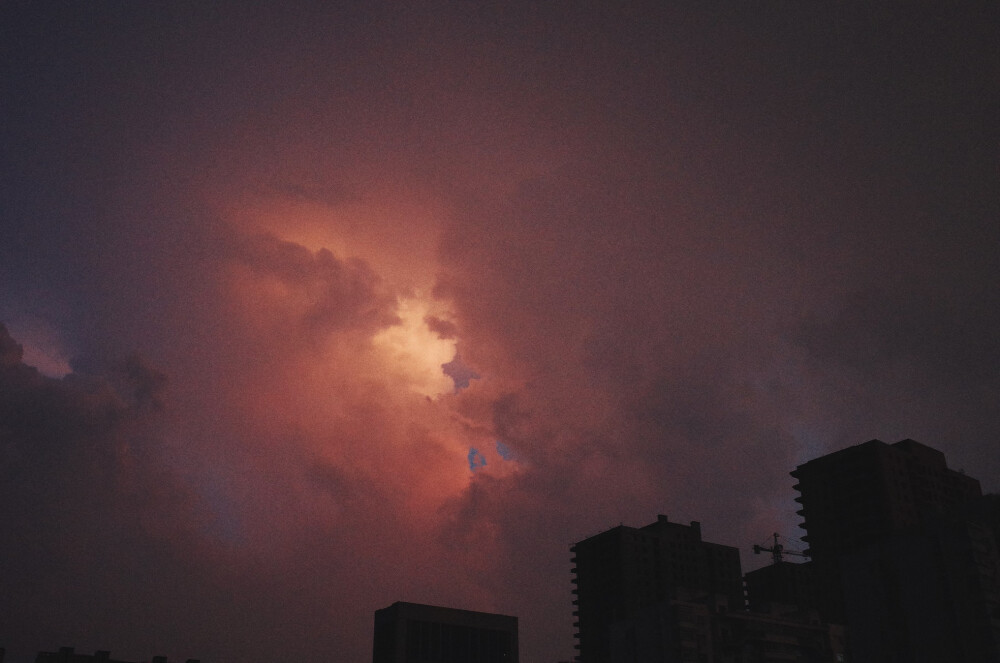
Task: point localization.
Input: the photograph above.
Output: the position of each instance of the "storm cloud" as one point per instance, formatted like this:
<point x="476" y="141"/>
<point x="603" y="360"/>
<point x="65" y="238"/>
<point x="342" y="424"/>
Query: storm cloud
<point x="269" y="274"/>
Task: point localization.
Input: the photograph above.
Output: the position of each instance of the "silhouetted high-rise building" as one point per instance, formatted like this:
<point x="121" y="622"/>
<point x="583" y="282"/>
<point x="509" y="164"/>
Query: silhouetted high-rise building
<point x="901" y="555"/>
<point x="861" y="494"/>
<point x="645" y="593"/>
<point x="417" y="633"/>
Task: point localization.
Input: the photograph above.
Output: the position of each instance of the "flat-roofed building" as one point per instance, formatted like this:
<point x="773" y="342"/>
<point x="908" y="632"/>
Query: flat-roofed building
<point x="904" y="552"/>
<point x="633" y="585"/>
<point x="418" y="633"/>
<point x="858" y="495"/>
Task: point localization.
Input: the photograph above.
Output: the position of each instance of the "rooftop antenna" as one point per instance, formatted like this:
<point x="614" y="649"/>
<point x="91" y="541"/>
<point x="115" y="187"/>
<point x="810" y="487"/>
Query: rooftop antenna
<point x="777" y="551"/>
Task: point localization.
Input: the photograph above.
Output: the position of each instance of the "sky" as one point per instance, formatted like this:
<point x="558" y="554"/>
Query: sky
<point x="312" y="307"/>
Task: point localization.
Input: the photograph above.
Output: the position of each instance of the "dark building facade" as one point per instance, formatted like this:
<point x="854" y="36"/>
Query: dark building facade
<point x="631" y="584"/>
<point x="858" y="495"/>
<point x="418" y="633"/>
<point x="659" y="594"/>
<point x="927" y="595"/>
<point x="782" y="583"/>
<point x="69" y="655"/>
<point x="903" y="553"/>
<point x="774" y="633"/>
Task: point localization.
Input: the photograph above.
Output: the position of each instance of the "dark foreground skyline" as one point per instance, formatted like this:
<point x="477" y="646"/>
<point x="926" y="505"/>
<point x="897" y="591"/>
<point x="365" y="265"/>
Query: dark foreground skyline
<point x="879" y="507"/>
<point x="904" y="554"/>
<point x="665" y="254"/>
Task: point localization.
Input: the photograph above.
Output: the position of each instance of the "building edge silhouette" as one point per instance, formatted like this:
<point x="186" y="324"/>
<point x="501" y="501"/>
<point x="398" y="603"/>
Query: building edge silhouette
<point x="904" y="552"/>
<point x="418" y="633"/>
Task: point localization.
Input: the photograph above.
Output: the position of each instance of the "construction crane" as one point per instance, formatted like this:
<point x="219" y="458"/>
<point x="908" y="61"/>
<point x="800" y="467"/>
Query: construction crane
<point x="777" y="550"/>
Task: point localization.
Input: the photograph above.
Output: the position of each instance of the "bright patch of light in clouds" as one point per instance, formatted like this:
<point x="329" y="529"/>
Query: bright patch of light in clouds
<point x="416" y="352"/>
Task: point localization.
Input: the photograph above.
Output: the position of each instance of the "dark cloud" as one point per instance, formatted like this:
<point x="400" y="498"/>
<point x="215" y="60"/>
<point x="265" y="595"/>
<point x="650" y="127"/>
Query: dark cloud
<point x="443" y="328"/>
<point x="11" y="352"/>
<point x="93" y="511"/>
<point x="116" y="549"/>
<point x="460" y="374"/>
<point x="149" y="383"/>
<point x="335" y="294"/>
<point x="944" y="335"/>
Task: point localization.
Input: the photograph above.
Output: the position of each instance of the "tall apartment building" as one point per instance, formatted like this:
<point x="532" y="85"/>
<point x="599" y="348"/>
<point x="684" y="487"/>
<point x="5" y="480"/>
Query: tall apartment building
<point x="646" y="593"/>
<point x="900" y="553"/>
<point x="861" y="494"/>
<point x="418" y="633"/>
